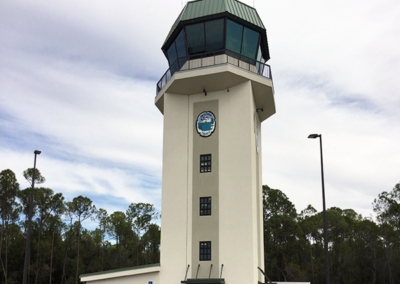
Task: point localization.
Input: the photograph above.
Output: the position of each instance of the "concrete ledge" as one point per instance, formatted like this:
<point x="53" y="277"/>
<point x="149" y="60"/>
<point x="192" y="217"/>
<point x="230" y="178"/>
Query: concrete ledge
<point x="136" y="270"/>
<point x="220" y="77"/>
<point x="204" y="280"/>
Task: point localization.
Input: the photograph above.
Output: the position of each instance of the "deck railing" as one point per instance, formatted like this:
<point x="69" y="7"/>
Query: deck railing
<point x="211" y="59"/>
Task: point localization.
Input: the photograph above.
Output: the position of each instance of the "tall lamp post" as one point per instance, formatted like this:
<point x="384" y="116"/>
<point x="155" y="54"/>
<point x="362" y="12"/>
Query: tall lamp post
<point x="324" y="209"/>
<point x="28" y="235"/>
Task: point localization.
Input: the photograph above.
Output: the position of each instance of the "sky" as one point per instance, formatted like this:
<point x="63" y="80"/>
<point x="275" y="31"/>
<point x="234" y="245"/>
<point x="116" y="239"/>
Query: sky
<point x="78" y="82"/>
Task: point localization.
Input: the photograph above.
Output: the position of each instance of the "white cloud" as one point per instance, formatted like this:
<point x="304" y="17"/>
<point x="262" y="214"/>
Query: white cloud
<point x="77" y="81"/>
<point x="361" y="156"/>
<point x="94" y="181"/>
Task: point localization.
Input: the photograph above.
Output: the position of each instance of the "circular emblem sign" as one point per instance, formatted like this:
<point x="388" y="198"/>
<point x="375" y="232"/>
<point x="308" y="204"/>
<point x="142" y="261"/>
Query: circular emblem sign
<point x="205" y="123"/>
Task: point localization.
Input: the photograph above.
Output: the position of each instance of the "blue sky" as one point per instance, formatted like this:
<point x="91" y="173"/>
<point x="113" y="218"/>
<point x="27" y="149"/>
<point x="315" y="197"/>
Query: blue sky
<point x="78" y="81"/>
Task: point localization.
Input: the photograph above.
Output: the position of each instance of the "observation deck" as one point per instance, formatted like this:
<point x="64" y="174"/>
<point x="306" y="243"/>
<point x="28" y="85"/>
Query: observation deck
<point x="208" y="33"/>
<point x="217" y="58"/>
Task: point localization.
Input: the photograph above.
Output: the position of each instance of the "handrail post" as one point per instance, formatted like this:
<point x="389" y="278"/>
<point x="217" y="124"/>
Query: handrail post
<point x="269" y="281"/>
<point x="222" y="267"/>
<point x="198" y="267"/>
<point x="209" y="275"/>
<point x="187" y="269"/>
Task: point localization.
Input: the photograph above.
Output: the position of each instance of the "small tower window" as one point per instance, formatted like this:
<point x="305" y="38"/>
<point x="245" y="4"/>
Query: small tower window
<point x="205" y="163"/>
<point x="205" y="251"/>
<point x="205" y="206"/>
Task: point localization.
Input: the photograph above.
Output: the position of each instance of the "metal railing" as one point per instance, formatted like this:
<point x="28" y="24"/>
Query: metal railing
<point x="211" y="59"/>
<point x="269" y="281"/>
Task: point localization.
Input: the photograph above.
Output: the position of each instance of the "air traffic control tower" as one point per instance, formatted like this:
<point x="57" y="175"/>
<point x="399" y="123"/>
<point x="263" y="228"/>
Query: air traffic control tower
<point x="214" y="96"/>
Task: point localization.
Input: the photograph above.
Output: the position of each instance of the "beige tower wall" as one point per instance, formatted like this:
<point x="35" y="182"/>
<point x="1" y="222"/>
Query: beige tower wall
<point x="175" y="184"/>
<point x="235" y="227"/>
<point x="239" y="227"/>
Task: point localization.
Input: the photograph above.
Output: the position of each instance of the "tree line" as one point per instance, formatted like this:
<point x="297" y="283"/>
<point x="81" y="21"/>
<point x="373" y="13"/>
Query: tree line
<point x="360" y="250"/>
<point x="61" y="248"/>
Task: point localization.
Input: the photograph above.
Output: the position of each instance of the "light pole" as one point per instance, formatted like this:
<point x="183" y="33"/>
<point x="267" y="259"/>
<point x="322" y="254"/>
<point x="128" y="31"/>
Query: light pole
<point x="324" y="209"/>
<point x="28" y="235"/>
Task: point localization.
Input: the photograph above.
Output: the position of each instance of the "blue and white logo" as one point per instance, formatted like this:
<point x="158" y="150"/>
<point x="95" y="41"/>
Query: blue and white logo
<point x="205" y="123"/>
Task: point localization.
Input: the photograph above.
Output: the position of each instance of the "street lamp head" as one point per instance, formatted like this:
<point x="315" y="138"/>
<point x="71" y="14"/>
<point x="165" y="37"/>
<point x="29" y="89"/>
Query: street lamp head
<point x="314" y="135"/>
<point x="37" y="152"/>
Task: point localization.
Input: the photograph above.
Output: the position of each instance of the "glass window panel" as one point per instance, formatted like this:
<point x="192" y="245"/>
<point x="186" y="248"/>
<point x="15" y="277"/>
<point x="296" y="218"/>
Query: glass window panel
<point x="205" y="207"/>
<point x="195" y="38"/>
<point x="250" y="42"/>
<point x="214" y="35"/>
<point x="259" y="54"/>
<point x="172" y="54"/>
<point x="205" y="250"/>
<point x="205" y="163"/>
<point x="182" y="61"/>
<point x="167" y="77"/>
<point x="233" y="36"/>
<point x="180" y="44"/>
<point x="174" y="67"/>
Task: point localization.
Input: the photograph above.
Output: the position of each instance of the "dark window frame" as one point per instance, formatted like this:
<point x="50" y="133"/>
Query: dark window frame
<point x="206" y="168"/>
<point x="237" y="54"/>
<point x="205" y="255"/>
<point x="206" y="209"/>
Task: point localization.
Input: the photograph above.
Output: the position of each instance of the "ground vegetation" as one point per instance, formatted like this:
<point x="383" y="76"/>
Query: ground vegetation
<point x="361" y="249"/>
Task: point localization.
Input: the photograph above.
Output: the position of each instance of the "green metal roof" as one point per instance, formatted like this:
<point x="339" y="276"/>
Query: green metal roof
<point x="211" y="8"/>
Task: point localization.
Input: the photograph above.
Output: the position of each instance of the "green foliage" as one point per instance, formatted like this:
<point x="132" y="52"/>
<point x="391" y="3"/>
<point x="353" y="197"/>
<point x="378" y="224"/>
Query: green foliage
<point x="139" y="216"/>
<point x="387" y="207"/>
<point x="63" y="249"/>
<point x="360" y="250"/>
<point x="281" y="232"/>
<point x="9" y="189"/>
<point x="28" y="175"/>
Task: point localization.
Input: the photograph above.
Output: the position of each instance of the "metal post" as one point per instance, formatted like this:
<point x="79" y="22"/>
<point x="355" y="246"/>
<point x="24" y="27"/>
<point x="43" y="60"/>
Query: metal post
<point x="324" y="210"/>
<point x="28" y="235"/>
<point x="187" y="269"/>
